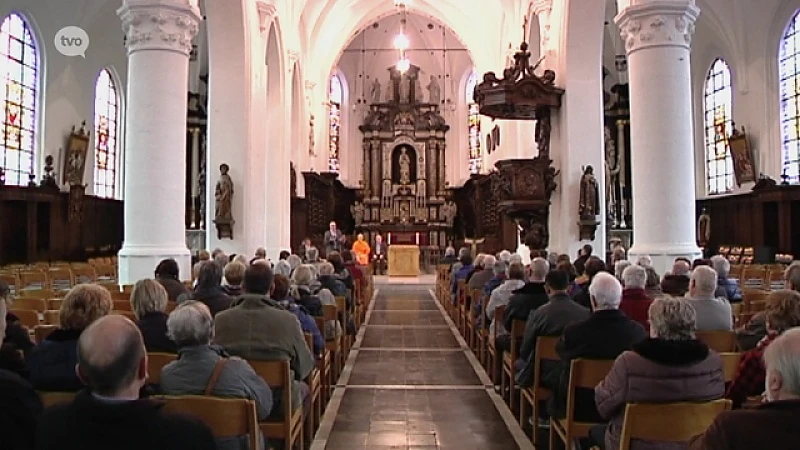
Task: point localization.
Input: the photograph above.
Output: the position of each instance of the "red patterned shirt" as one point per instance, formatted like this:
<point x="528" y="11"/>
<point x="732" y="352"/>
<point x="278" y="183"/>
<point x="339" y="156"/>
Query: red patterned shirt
<point x="752" y="373"/>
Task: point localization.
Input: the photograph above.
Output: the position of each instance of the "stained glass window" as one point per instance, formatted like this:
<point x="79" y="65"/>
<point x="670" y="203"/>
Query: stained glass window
<point x="789" y="80"/>
<point x="19" y="70"/>
<point x="335" y="98"/>
<point x="473" y="127"/>
<point x="106" y="116"/>
<point x="718" y="108"/>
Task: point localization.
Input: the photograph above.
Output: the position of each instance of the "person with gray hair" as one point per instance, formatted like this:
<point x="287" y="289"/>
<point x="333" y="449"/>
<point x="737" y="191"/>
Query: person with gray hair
<point x="619" y="268"/>
<point x="529" y="297"/>
<point x="294" y="261"/>
<point x="463" y="252"/>
<point x="303" y="289"/>
<point x="479" y="279"/>
<point x="515" y="258"/>
<point x="644" y="261"/>
<point x="676" y="283"/>
<point x="449" y="256"/>
<point x="504" y="256"/>
<point x="148" y="302"/>
<point x="283" y="267"/>
<point x="500" y="297"/>
<point x="635" y="301"/>
<point x="109" y="413"/>
<point x="727" y="288"/>
<point x="312" y="255"/>
<point x="604" y="335"/>
<point x="672" y="366"/>
<point x="205" y="369"/>
<point x="773" y="423"/>
<point x="713" y="313"/>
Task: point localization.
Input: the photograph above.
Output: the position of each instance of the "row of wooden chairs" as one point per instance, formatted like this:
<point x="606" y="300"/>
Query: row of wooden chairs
<point x="768" y="277"/>
<point x="524" y="402"/>
<point x="57" y="278"/>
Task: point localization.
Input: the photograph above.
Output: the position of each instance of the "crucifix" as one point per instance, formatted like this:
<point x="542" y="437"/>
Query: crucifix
<point x="474" y="243"/>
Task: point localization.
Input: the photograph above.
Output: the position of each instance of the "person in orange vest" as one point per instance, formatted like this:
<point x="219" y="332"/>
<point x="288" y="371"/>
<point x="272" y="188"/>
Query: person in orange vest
<point x="361" y="250"/>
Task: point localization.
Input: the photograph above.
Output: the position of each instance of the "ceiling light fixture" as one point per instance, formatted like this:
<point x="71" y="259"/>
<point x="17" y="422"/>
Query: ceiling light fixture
<point x="401" y="41"/>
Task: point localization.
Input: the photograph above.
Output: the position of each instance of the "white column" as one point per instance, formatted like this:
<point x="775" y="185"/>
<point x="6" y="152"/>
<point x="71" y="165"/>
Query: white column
<point x="159" y="37"/>
<point x="657" y="36"/>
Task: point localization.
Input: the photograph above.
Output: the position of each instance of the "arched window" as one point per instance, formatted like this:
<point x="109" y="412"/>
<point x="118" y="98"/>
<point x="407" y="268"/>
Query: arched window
<point x="473" y="126"/>
<point x="106" y="118"/>
<point x="789" y="74"/>
<point x="19" y="69"/>
<point x="335" y="98"/>
<point x="718" y="108"/>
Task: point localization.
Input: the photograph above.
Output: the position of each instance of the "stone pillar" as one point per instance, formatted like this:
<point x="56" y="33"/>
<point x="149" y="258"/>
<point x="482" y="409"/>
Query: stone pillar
<point x="159" y="40"/>
<point x="657" y="36"/>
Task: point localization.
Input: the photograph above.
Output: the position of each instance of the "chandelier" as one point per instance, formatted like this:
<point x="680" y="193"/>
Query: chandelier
<point x="401" y="41"/>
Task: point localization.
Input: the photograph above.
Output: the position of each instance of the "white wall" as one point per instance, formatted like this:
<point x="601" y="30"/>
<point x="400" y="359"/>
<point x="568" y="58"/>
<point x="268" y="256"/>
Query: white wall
<point x="68" y="82"/>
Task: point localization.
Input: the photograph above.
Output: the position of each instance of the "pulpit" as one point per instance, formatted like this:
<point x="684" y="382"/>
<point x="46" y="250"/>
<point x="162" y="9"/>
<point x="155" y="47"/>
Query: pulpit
<point x="403" y="260"/>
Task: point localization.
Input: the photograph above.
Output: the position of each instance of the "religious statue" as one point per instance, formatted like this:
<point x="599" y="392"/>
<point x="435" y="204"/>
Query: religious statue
<point x="434" y="91"/>
<point x="449" y="210"/>
<point x="418" y="98"/>
<point x="375" y="91"/>
<point x="223" y="196"/>
<point x="590" y="197"/>
<point x="390" y="92"/>
<point x="704" y="228"/>
<point x="612" y="175"/>
<point x="49" y="177"/>
<point x="405" y="88"/>
<point x="311" y="150"/>
<point x="405" y="167"/>
<point x="358" y="213"/>
<point x="542" y="133"/>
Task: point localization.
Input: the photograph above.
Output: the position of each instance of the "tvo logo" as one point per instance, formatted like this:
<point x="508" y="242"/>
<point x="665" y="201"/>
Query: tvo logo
<point x="72" y="41"/>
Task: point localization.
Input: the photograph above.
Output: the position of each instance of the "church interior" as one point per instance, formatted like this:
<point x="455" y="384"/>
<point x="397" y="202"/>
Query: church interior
<point x="422" y="144"/>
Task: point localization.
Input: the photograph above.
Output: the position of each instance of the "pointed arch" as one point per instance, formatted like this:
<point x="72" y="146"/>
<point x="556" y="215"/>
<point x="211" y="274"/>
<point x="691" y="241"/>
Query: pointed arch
<point x="789" y="83"/>
<point x="106" y="135"/>
<point x="718" y="124"/>
<point x="335" y="102"/>
<point x="19" y="98"/>
<point x="473" y="126"/>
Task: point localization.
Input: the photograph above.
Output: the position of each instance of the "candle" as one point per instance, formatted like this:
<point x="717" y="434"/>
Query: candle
<point x="389" y="240"/>
<point x="418" y="238"/>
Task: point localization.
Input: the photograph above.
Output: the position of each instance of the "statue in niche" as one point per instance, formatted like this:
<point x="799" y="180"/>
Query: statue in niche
<point x="434" y="91"/>
<point x="704" y="228"/>
<point x="405" y="167"/>
<point x="375" y="91"/>
<point x="223" y="196"/>
<point x="358" y="213"/>
<point x="589" y="199"/>
<point x="612" y="174"/>
<point x="449" y="210"/>
<point x="405" y="88"/>
<point x="390" y="92"/>
<point x="418" y="98"/>
<point x="542" y="133"/>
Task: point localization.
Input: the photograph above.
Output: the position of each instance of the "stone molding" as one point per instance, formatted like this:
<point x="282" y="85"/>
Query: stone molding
<point x="265" y="13"/>
<point x="541" y="6"/>
<point x="658" y="24"/>
<point x="159" y="25"/>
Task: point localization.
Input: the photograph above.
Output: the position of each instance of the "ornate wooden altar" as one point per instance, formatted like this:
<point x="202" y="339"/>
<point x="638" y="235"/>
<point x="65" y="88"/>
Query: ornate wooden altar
<point x="403" y="192"/>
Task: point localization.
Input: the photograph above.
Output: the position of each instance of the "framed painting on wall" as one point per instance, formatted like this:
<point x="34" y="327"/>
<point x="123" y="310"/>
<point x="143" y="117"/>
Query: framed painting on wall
<point x="743" y="166"/>
<point x="75" y="156"/>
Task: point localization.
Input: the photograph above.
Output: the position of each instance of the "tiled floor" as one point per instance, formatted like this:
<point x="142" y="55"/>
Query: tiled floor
<point x="410" y="383"/>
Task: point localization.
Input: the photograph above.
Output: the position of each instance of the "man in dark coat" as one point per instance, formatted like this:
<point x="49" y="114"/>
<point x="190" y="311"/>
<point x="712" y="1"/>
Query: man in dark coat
<point x="112" y="361"/>
<point x="604" y="335"/>
<point x="773" y="424"/>
<point x="594" y="265"/>
<point x="526" y="299"/>
<point x="549" y="319"/>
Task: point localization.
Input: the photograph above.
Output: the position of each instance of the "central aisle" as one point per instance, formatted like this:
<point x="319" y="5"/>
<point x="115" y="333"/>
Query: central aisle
<point x="412" y="383"/>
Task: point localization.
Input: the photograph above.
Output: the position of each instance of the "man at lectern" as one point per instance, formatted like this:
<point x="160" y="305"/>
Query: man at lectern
<point x="333" y="239"/>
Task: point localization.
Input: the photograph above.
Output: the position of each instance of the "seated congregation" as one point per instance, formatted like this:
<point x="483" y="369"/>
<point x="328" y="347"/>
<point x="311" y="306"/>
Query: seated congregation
<point x="244" y="357"/>
<point x="601" y="355"/>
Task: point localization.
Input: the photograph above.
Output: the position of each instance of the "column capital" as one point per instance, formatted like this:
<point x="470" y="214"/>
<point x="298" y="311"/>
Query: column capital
<point x="168" y="25"/>
<point x="660" y="23"/>
<point x="265" y="13"/>
<point x="541" y="6"/>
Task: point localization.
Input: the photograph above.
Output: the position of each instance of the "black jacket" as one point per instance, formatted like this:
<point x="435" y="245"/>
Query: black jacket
<point x="523" y="301"/>
<point x="154" y="331"/>
<point x="91" y="424"/>
<point x="20" y="408"/>
<point x="173" y="287"/>
<point x="216" y="299"/>
<point x="581" y="295"/>
<point x="604" y="335"/>
<point x="310" y="302"/>
<point x="52" y="363"/>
